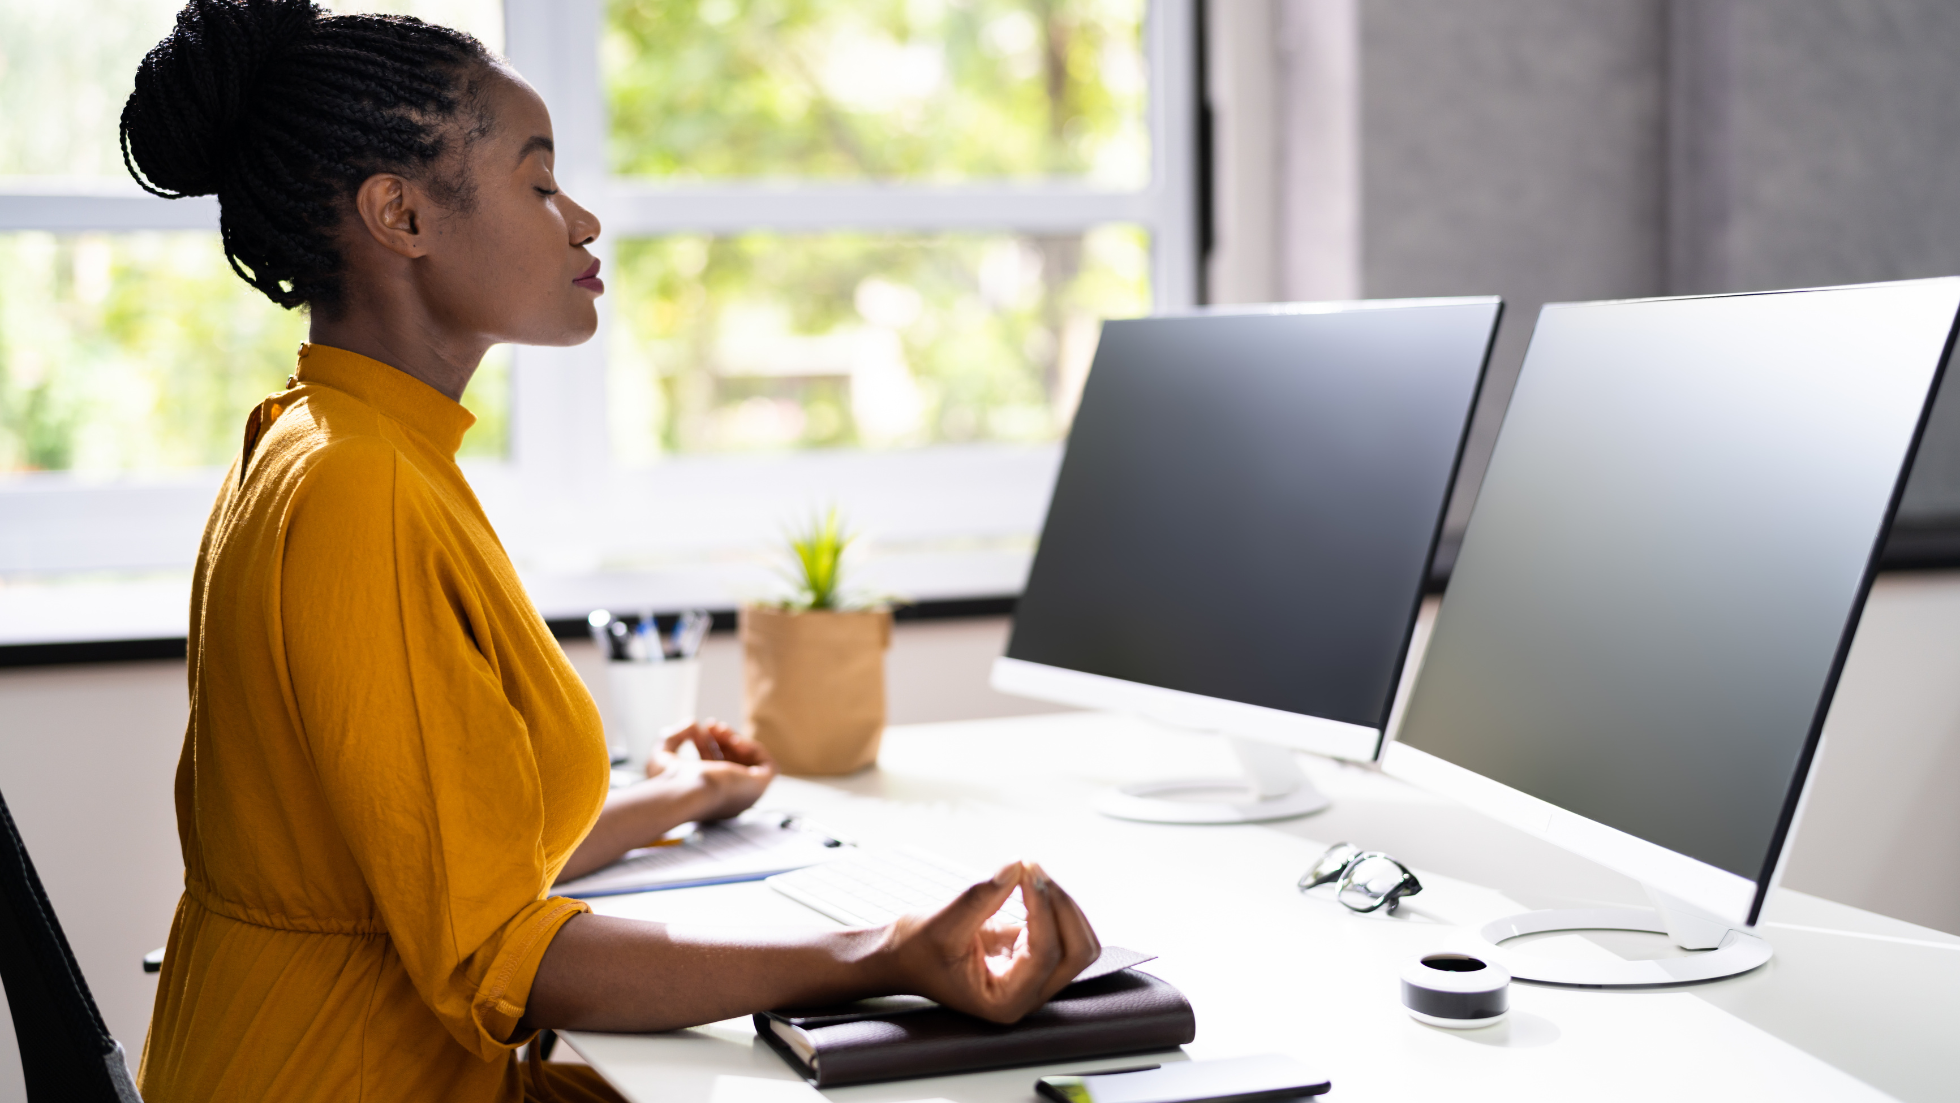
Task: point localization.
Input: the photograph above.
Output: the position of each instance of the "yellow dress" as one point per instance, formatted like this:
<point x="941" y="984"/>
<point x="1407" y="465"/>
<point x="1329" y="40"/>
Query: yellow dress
<point x="388" y="761"/>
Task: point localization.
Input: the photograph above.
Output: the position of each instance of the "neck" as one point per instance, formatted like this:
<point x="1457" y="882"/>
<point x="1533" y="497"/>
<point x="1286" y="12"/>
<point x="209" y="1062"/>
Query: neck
<point x="411" y="345"/>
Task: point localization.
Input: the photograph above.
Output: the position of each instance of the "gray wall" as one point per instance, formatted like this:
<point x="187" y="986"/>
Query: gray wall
<point x="1832" y="139"/>
<point x="1554" y="150"/>
<point x="1511" y="147"/>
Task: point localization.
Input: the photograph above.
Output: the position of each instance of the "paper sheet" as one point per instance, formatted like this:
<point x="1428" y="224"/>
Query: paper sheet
<point x="745" y="849"/>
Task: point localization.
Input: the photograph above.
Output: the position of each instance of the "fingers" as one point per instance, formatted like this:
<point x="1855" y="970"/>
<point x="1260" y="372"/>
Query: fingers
<point x="1080" y="946"/>
<point x="716" y="741"/>
<point x="709" y="736"/>
<point x="748" y="752"/>
<point x="1047" y="945"/>
<point x="1059" y="944"/>
<point x="954" y="955"/>
<point x="680" y="736"/>
<point x="957" y="923"/>
<point x="736" y="747"/>
<point x="1037" y="953"/>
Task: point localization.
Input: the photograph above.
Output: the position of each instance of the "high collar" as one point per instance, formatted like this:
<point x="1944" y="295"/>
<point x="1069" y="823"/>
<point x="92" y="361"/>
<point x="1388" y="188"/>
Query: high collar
<point x="391" y="391"/>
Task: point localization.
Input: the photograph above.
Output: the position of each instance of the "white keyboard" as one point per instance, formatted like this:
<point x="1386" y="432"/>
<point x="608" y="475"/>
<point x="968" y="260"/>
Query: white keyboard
<point x="869" y="888"/>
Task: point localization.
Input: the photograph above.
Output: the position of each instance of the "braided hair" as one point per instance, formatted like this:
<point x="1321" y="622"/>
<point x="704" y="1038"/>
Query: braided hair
<point x="281" y="109"/>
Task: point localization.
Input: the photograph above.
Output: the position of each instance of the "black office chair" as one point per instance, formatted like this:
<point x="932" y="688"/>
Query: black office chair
<point x="66" y="1053"/>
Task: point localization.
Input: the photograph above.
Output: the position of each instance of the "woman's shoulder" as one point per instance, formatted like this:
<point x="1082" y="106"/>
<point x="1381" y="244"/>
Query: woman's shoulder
<point x="314" y="435"/>
<point x="321" y="465"/>
<point x="326" y="436"/>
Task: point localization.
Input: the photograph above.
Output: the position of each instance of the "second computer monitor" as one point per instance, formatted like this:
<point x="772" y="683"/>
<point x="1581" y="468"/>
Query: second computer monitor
<point x="1245" y="515"/>
<point x="1658" y="589"/>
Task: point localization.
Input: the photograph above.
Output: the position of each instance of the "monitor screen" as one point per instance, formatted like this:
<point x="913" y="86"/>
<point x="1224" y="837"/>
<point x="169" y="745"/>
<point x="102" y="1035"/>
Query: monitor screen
<point x="1248" y="503"/>
<point x="1668" y="555"/>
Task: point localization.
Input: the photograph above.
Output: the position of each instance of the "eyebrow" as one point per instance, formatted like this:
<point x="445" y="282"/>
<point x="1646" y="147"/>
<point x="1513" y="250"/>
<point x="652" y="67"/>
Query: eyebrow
<point x="537" y="141"/>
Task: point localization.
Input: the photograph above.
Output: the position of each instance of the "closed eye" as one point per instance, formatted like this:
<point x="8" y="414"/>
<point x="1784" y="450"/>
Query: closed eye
<point x="547" y="192"/>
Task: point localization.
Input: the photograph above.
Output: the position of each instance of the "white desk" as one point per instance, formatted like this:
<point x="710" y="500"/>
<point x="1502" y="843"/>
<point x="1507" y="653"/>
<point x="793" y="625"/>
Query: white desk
<point x="1851" y="1015"/>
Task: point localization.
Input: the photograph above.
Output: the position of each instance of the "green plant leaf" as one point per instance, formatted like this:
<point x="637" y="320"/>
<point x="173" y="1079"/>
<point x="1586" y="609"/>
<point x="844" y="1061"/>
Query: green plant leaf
<point x="817" y="553"/>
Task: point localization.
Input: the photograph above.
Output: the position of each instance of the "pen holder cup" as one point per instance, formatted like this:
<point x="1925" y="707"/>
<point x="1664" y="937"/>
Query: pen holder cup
<point x="648" y="699"/>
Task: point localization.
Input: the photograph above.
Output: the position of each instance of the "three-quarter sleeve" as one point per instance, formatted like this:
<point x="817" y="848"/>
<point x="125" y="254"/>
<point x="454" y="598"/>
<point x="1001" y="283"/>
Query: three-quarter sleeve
<point x="428" y="770"/>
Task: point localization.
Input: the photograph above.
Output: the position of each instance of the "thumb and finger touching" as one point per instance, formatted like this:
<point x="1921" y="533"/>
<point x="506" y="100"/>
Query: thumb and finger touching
<point x="1035" y="960"/>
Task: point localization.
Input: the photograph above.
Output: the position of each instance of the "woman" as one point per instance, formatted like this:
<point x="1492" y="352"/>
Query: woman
<point x="389" y="760"/>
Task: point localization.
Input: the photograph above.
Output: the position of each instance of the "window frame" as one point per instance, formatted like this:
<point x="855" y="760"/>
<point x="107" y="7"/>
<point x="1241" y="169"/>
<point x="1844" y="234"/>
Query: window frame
<point x="950" y="521"/>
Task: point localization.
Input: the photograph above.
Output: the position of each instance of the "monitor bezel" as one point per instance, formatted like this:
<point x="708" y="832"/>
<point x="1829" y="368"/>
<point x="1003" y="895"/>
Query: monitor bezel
<point x="1728" y="895"/>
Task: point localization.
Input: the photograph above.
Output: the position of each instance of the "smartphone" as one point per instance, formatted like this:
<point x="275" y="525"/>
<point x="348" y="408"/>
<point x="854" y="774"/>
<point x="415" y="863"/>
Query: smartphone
<point x="1265" y="1079"/>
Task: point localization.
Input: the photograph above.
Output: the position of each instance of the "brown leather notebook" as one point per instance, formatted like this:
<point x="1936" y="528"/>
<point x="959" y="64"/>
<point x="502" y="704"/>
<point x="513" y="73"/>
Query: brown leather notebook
<point x="1122" y="1012"/>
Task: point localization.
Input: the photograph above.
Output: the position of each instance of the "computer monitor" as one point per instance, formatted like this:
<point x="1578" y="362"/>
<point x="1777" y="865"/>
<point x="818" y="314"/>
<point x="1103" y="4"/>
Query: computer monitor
<point x="1241" y="531"/>
<point x="1657" y="589"/>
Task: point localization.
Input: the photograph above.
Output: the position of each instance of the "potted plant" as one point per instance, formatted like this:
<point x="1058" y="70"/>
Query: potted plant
<point x="813" y="664"/>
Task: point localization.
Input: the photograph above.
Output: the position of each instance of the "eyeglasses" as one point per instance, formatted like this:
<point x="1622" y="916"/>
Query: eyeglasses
<point x="1364" y="880"/>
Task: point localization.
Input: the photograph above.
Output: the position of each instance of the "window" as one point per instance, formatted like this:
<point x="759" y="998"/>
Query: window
<point x="856" y="253"/>
<point x="133" y="353"/>
<point x="859" y="339"/>
<point x="925" y="90"/>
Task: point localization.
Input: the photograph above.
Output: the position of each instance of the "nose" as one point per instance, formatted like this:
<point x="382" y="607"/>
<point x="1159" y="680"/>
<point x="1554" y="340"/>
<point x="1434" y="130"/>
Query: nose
<point x="583" y="224"/>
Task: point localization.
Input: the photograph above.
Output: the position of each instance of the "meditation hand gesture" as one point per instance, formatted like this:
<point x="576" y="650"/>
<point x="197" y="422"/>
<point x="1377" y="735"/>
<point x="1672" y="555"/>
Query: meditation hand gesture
<point x="967" y="958"/>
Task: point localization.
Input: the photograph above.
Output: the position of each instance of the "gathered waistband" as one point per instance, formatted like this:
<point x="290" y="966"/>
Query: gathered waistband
<point x="202" y="897"/>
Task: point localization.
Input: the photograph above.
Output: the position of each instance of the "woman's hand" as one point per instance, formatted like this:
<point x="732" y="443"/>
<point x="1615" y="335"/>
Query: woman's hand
<point x="732" y="773"/>
<point x="963" y="957"/>
<point x="734" y="769"/>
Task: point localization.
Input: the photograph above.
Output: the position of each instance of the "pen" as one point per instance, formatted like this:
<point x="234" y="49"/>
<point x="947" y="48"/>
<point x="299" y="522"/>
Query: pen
<point x="647" y="647"/>
<point x="689" y="629"/>
<point x="621" y="639"/>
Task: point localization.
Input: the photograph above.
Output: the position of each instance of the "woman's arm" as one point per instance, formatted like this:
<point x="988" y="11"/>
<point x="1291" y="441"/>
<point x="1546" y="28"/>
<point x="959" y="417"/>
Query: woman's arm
<point x="605" y="973"/>
<point x="732" y="773"/>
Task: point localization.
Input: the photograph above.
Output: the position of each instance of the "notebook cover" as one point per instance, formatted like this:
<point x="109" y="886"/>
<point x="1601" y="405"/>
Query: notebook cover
<point x="1125" y="1012"/>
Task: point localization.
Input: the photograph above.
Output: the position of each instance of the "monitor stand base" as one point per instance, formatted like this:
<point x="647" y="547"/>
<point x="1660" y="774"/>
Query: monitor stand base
<point x="1270" y="786"/>
<point x="1728" y="951"/>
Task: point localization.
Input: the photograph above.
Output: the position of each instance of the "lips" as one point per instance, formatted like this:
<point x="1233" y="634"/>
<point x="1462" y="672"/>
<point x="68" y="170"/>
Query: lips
<point x="591" y="281"/>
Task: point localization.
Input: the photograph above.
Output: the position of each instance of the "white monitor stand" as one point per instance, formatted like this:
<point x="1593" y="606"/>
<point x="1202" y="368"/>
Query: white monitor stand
<point x="1728" y="951"/>
<point x="1270" y="786"/>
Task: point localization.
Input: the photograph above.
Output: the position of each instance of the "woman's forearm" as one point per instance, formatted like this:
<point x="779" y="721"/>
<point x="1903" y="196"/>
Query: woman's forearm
<point x="606" y="973"/>
<point x="636" y="816"/>
<point x="728" y="776"/>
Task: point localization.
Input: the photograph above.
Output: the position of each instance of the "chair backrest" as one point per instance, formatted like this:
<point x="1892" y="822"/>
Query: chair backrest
<point x="66" y="1052"/>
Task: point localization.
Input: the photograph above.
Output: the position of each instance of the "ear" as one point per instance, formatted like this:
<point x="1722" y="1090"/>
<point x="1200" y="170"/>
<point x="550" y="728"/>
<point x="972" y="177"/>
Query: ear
<point x="392" y="210"/>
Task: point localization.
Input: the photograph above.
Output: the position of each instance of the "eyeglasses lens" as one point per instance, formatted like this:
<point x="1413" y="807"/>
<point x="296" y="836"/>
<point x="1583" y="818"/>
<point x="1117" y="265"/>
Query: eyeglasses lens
<point x="1329" y="867"/>
<point x="1376" y="881"/>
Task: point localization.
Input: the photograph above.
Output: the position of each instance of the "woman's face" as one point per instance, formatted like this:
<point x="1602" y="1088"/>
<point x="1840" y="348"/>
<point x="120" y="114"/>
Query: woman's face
<point x="512" y="266"/>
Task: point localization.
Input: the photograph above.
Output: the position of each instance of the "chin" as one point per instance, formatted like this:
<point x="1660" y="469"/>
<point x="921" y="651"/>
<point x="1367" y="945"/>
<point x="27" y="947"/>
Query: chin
<point x="574" y="330"/>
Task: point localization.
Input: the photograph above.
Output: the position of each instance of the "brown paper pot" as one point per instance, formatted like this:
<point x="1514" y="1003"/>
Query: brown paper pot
<point x="814" y="684"/>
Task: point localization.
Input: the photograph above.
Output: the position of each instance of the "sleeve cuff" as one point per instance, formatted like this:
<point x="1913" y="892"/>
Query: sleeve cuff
<point x="501" y="1001"/>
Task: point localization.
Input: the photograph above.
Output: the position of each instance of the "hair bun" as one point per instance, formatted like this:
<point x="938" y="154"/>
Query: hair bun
<point x="179" y="123"/>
